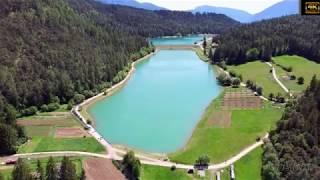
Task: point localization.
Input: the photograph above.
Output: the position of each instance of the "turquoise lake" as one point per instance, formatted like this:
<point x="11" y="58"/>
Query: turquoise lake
<point x="177" y="40"/>
<point x="158" y="108"/>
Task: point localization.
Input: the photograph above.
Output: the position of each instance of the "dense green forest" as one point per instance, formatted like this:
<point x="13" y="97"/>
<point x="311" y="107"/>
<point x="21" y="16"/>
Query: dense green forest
<point x="293" y="152"/>
<point x="154" y="23"/>
<point x="295" y="34"/>
<point x="62" y="51"/>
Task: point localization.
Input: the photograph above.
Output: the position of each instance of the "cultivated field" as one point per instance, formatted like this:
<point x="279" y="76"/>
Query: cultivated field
<point x="101" y="169"/>
<point x="56" y="131"/>
<point x="221" y="143"/>
<point x="243" y="99"/>
<point x="300" y="67"/>
<point x="258" y="72"/>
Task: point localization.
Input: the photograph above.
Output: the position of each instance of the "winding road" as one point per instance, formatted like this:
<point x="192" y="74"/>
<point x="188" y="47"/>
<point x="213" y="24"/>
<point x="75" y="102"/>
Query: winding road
<point x="275" y="77"/>
<point x="143" y="159"/>
<point x="113" y="153"/>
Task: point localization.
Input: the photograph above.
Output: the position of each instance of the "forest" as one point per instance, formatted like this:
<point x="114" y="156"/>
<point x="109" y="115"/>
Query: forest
<point x="153" y="23"/>
<point x="293" y="35"/>
<point x="62" y="51"/>
<point x="293" y="151"/>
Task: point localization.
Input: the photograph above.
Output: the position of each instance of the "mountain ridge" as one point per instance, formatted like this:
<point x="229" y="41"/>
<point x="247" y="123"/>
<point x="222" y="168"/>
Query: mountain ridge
<point x="283" y="8"/>
<point x="133" y="3"/>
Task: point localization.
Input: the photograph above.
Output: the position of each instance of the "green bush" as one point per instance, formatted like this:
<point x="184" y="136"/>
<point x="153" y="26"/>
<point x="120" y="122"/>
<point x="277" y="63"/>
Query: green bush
<point x="53" y="107"/>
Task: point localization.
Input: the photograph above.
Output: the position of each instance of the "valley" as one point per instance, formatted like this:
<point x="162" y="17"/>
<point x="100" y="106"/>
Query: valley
<point x="132" y="90"/>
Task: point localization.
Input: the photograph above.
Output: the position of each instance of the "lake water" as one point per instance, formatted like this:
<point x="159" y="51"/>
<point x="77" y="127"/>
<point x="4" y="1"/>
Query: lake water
<point x="157" y="110"/>
<point x="177" y="40"/>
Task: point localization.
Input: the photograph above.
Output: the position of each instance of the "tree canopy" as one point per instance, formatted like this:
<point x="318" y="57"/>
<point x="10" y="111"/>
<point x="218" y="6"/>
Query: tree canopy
<point x="294" y="34"/>
<point x="293" y="151"/>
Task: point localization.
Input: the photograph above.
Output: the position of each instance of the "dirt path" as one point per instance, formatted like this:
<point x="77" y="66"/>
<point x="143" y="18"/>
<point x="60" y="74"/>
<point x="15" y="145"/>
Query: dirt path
<point x="275" y="77"/>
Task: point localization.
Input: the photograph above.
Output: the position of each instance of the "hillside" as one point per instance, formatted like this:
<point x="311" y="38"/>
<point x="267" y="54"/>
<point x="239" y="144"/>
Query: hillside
<point x="283" y="8"/>
<point x="62" y="51"/>
<point x="154" y="23"/>
<point x="132" y="3"/>
<point x="262" y="40"/>
<point x="239" y="15"/>
<point x="293" y="152"/>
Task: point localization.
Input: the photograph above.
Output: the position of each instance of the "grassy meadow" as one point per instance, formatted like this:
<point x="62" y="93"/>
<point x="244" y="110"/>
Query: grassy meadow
<point x="41" y="129"/>
<point x="259" y="73"/>
<point x="221" y="143"/>
<point x="300" y="67"/>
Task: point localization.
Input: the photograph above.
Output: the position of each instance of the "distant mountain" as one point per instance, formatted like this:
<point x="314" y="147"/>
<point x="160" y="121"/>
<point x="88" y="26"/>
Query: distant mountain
<point x="239" y="15"/>
<point x="133" y="3"/>
<point x="283" y="8"/>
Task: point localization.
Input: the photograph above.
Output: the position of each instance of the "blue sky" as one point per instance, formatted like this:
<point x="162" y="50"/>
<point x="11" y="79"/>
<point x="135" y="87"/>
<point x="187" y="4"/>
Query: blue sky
<point x="251" y="6"/>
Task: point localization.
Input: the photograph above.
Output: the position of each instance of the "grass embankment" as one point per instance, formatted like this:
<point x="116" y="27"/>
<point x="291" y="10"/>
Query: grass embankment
<point x="248" y="167"/>
<point x="221" y="143"/>
<point x="200" y="54"/>
<point x="47" y="144"/>
<point x="32" y="164"/>
<point x="300" y="67"/>
<point x="41" y="130"/>
<point x="259" y="73"/>
<point x="157" y="172"/>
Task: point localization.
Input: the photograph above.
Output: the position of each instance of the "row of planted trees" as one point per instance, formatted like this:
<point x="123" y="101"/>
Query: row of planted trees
<point x="64" y="170"/>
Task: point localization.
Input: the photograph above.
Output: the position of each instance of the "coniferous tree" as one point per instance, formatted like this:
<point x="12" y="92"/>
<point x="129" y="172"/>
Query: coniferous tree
<point x="293" y="150"/>
<point x="8" y="139"/>
<point x="40" y="171"/>
<point x="83" y="175"/>
<point x="293" y="35"/>
<point x="67" y="170"/>
<point x="51" y="170"/>
<point x="21" y="171"/>
<point x="131" y="166"/>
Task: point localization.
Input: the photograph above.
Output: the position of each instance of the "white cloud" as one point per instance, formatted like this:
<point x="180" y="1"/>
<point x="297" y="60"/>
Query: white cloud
<point x="251" y="6"/>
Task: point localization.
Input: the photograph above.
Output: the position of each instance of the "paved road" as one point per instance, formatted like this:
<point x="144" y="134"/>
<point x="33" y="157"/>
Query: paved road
<point x="143" y="159"/>
<point x="274" y="74"/>
<point x="113" y="153"/>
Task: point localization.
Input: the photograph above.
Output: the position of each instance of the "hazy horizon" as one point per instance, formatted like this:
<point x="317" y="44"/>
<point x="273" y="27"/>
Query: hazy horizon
<point x="250" y="6"/>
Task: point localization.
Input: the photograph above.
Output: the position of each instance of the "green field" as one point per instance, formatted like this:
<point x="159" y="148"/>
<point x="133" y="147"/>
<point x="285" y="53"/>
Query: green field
<point x="222" y="143"/>
<point x="300" y="67"/>
<point x="155" y="172"/>
<point x="42" y="136"/>
<point x="258" y="72"/>
<point x="32" y="163"/>
<point x="46" y="144"/>
<point x="249" y="167"/>
<point x="165" y="173"/>
<point x="200" y="54"/>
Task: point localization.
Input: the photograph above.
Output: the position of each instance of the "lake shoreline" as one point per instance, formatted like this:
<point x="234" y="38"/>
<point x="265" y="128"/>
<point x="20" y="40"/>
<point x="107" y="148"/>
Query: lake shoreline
<point x="85" y="105"/>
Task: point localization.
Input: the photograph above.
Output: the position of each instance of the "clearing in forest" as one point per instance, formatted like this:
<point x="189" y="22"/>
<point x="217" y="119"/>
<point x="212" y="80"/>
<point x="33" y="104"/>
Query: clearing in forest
<point x="260" y="73"/>
<point x="301" y="67"/>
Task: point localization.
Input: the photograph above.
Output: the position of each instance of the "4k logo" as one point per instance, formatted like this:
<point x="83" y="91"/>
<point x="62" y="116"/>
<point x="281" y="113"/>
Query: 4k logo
<point x="310" y="7"/>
